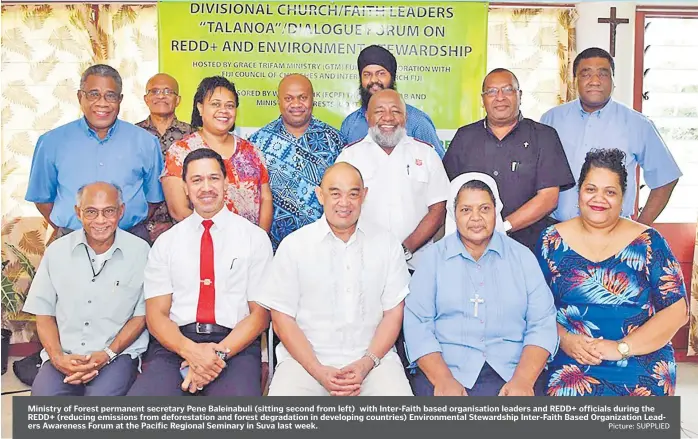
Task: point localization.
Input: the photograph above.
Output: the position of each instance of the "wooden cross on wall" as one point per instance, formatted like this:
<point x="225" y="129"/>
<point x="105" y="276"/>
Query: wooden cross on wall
<point x="613" y="21"/>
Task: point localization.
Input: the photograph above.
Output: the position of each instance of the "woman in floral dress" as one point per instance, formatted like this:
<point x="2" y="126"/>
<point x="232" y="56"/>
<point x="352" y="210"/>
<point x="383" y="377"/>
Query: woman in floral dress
<point x="248" y="193"/>
<point x="618" y="290"/>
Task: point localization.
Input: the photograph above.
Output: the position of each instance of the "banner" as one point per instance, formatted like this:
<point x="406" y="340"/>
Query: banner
<point x="321" y="417"/>
<point x="440" y="50"/>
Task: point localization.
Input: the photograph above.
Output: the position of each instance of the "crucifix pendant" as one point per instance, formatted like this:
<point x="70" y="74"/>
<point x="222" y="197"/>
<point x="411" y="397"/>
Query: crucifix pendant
<point x="477" y="300"/>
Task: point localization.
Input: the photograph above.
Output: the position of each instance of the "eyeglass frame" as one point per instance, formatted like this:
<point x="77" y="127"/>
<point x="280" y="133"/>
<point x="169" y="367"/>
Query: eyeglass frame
<point x="100" y="96"/>
<point x="161" y="92"/>
<point x="603" y="73"/>
<point x="514" y="90"/>
<point x="100" y="212"/>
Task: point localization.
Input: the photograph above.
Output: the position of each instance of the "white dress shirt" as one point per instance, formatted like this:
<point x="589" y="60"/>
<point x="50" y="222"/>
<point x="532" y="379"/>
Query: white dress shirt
<point x="401" y="185"/>
<point x="241" y="252"/>
<point x="338" y="291"/>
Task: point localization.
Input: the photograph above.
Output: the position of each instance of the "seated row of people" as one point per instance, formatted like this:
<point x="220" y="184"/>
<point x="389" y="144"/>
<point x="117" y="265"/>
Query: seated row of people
<point x="594" y="315"/>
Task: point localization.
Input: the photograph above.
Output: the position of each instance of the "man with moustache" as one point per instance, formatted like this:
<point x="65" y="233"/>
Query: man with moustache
<point x="524" y="157"/>
<point x="596" y="121"/>
<point x="377" y="71"/>
<point x="338" y="309"/>
<point x="406" y="178"/>
<point x="200" y="304"/>
<point x="96" y="147"/>
<point x="162" y="98"/>
<point x="87" y="296"/>
<point x="297" y="148"/>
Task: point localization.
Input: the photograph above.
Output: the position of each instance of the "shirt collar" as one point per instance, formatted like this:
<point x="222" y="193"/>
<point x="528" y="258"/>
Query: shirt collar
<point x="176" y="123"/>
<point x="518" y="121"/>
<point x="314" y="126"/>
<point x="219" y="220"/>
<point x="78" y="237"/>
<point x="598" y="113"/>
<point x="455" y="247"/>
<point x="90" y="132"/>
<point x="324" y="230"/>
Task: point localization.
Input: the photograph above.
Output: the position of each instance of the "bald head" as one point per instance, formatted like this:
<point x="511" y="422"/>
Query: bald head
<point x="342" y="171"/>
<point x="164" y="80"/>
<point x="162" y="95"/>
<point x="387" y="97"/>
<point x="296" y="103"/>
<point x="99" y="189"/>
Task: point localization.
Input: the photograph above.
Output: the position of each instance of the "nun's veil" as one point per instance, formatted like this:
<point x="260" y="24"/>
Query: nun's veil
<point x="456" y="184"/>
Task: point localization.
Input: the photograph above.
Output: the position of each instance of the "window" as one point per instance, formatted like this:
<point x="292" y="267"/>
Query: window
<point x="669" y="97"/>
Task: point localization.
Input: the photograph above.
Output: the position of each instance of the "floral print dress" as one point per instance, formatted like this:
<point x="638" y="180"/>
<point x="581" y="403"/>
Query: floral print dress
<point x="610" y="299"/>
<point x="245" y="169"/>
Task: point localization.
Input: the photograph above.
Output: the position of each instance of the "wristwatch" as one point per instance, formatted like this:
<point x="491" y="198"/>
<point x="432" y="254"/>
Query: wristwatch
<point x="111" y="354"/>
<point x="507" y="226"/>
<point x="376" y="360"/>
<point x="624" y="350"/>
<point x="408" y="253"/>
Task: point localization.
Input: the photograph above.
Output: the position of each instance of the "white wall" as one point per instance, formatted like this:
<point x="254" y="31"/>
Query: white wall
<point x="591" y="33"/>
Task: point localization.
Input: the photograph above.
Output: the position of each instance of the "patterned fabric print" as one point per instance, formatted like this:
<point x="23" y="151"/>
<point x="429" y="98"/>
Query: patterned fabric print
<point x="175" y="132"/>
<point x="610" y="299"/>
<point x="296" y="166"/>
<point x="245" y="168"/>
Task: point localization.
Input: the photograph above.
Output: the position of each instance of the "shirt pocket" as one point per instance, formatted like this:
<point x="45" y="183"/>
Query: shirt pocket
<point x="418" y="176"/>
<point x="119" y="303"/>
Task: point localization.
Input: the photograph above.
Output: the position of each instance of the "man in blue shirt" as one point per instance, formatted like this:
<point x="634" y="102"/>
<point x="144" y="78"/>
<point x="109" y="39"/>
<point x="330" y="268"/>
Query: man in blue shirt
<point x="297" y="148"/>
<point x="96" y="147"/>
<point x="597" y="121"/>
<point x="480" y="318"/>
<point x="377" y="71"/>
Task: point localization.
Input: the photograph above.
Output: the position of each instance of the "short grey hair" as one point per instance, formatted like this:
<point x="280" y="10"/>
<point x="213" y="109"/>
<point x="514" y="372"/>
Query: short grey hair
<point x="119" y="194"/>
<point x="104" y="71"/>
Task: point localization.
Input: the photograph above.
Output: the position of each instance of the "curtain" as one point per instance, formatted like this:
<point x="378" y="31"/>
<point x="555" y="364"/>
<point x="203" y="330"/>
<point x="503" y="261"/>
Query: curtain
<point x="539" y="46"/>
<point x="45" y="49"/>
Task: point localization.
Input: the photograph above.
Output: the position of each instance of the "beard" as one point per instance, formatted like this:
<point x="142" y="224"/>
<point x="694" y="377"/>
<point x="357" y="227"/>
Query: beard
<point x="365" y="92"/>
<point x="387" y="140"/>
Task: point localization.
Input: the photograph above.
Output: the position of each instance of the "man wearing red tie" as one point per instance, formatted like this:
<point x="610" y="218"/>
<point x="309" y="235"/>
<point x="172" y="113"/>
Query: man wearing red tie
<point x="200" y="285"/>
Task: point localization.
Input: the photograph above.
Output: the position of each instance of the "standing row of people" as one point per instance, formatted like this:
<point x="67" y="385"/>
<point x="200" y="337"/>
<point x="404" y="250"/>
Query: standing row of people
<point x="337" y="287"/>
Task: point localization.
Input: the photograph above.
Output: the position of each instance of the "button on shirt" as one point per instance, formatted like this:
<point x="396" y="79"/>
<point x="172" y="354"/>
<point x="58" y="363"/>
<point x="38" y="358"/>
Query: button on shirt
<point x="526" y="160"/>
<point x="296" y="166"/>
<point x="241" y="252"/>
<point x="338" y="291"/>
<point x="89" y="314"/>
<point x="418" y="125"/>
<point x="614" y="126"/>
<point x="401" y="185"/>
<point x="516" y="310"/>
<point x="72" y="155"/>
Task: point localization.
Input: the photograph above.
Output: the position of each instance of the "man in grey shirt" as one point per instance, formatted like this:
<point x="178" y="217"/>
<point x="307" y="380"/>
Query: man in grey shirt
<point x="87" y="296"/>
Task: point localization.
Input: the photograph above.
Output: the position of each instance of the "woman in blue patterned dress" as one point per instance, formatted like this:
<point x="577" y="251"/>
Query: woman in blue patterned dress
<point x="618" y="290"/>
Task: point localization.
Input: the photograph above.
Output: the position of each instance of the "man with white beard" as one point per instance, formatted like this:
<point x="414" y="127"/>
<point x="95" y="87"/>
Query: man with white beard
<point x="407" y="182"/>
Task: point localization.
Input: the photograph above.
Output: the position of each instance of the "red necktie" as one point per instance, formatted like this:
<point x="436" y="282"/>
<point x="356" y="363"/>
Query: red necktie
<point x="205" y="312"/>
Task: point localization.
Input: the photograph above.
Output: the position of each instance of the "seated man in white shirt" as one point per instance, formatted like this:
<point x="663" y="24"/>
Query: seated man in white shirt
<point x="338" y="308"/>
<point x="200" y="286"/>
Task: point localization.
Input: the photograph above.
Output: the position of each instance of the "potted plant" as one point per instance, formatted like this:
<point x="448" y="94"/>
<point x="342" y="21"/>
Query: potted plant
<point x="13" y="295"/>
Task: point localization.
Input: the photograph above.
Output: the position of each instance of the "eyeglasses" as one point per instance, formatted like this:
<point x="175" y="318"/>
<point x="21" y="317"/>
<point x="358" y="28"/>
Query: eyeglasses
<point x="94" y="96"/>
<point x="588" y="74"/>
<point x="162" y="92"/>
<point x="108" y="212"/>
<point x="494" y="91"/>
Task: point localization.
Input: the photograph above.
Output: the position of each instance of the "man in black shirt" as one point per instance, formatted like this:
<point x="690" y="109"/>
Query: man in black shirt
<point x="524" y="157"/>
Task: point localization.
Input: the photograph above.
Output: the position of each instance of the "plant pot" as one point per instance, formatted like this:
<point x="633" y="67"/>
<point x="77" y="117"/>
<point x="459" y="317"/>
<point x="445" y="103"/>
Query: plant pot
<point x="6" y="335"/>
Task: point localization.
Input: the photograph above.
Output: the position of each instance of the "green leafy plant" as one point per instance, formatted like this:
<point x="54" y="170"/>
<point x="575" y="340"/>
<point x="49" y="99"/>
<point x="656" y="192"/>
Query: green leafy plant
<point x="12" y="296"/>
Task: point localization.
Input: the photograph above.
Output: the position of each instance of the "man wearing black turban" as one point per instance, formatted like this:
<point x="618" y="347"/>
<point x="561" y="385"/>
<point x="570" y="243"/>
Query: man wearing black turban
<point x="377" y="71"/>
